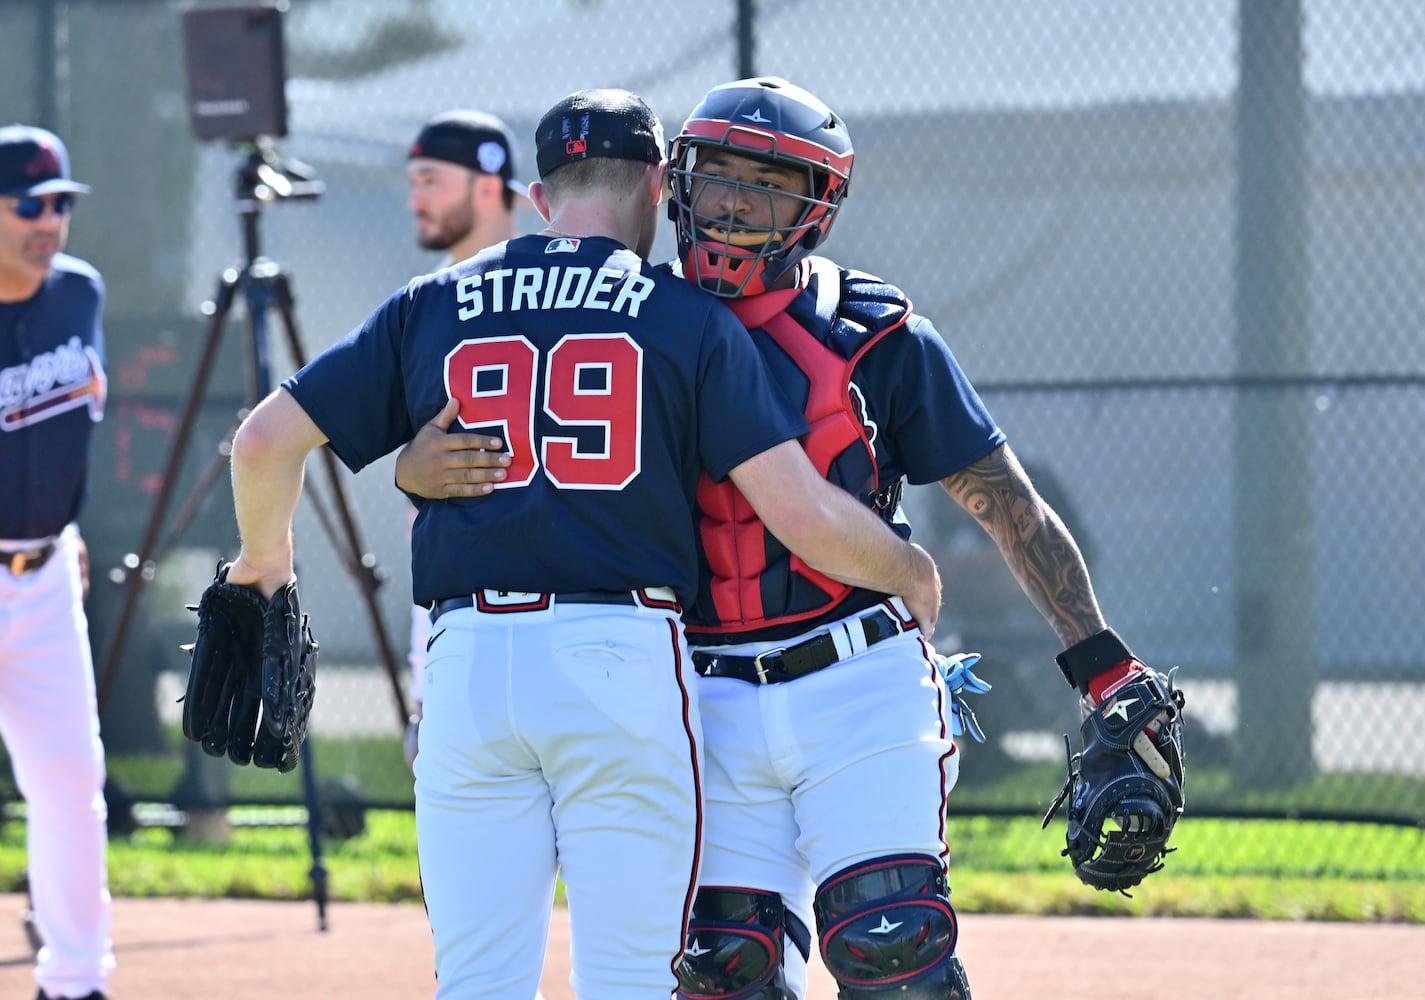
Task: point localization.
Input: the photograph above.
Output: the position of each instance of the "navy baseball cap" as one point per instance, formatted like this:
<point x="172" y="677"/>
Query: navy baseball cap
<point x="590" y="123"/>
<point x="34" y="161"/>
<point x="472" y="139"/>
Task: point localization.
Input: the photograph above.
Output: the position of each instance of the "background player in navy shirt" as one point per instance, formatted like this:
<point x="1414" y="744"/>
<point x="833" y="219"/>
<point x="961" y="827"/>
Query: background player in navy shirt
<point x="51" y="395"/>
<point x="562" y="729"/>
<point x="828" y="724"/>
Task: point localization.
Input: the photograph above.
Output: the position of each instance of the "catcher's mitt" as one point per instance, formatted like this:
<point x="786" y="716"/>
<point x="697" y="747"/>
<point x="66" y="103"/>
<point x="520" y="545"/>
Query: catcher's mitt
<point x="253" y="675"/>
<point x="1125" y="788"/>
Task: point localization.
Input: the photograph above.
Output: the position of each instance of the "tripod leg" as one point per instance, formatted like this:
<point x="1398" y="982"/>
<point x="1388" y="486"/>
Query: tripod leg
<point x="362" y="569"/>
<point x="190" y="508"/>
<point x="318" y="871"/>
<point x="141" y="572"/>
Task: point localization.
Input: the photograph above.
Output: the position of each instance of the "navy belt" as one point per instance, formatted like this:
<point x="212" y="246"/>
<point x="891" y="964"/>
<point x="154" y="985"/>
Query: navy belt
<point x="498" y="602"/>
<point x="27" y="560"/>
<point x="778" y="665"/>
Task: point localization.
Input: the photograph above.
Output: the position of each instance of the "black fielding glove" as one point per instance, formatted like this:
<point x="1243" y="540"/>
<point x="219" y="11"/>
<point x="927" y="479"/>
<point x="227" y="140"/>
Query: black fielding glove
<point x="252" y="678"/>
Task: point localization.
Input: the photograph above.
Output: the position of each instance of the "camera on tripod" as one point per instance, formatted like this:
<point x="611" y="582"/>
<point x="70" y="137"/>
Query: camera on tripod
<point x="237" y="91"/>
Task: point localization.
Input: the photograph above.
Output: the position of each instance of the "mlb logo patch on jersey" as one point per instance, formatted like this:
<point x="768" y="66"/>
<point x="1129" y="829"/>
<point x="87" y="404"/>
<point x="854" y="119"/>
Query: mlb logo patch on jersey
<point x="564" y="244"/>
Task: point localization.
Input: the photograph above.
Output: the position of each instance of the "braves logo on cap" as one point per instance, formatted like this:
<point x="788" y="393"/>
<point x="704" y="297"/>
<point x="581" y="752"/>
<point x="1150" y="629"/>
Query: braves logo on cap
<point x="33" y="161"/>
<point x="45" y="163"/>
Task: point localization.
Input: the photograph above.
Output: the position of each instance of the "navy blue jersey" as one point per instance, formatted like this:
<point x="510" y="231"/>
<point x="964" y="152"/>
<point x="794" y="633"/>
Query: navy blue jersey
<point x="612" y="384"/>
<point x="51" y="394"/>
<point x="929" y="421"/>
<point x="887" y="402"/>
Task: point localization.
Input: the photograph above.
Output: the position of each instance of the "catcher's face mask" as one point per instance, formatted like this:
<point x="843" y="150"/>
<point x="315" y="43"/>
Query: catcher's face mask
<point x="757" y="176"/>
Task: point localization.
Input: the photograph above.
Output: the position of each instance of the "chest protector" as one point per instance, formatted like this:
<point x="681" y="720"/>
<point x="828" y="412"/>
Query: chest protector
<point x="749" y="579"/>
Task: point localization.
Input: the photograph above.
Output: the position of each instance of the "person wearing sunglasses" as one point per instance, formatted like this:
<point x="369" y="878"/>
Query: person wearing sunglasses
<point x="52" y="390"/>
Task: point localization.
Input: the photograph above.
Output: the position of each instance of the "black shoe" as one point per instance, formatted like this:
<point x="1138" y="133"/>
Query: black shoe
<point x="96" y="995"/>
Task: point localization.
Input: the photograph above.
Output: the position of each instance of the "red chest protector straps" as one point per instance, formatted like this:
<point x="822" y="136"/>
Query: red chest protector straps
<point x="754" y="580"/>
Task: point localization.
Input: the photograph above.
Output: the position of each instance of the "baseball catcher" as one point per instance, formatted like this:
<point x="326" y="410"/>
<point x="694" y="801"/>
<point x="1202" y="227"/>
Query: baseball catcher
<point x="252" y="677"/>
<point x="1125" y="787"/>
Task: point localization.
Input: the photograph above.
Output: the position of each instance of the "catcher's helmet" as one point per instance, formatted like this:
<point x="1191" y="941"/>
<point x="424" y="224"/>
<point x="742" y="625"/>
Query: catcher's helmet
<point x="770" y="119"/>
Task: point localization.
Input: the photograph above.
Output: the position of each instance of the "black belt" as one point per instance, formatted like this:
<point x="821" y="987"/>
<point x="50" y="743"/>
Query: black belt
<point x="537" y="602"/>
<point x="777" y="665"/>
<point x="27" y="560"/>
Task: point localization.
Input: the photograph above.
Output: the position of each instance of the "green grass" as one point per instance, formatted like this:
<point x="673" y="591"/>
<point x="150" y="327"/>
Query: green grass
<point x="1265" y="869"/>
<point x="1273" y="869"/>
<point x="1213" y="788"/>
<point x="374" y="764"/>
<point x="1279" y="870"/>
<point x="377" y="761"/>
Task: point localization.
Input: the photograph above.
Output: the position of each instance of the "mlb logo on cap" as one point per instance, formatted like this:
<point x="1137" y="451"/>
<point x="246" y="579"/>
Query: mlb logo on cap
<point x="33" y="161"/>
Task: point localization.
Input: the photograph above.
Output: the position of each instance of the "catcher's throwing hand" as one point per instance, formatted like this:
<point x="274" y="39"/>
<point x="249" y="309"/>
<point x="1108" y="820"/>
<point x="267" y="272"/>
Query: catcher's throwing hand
<point x="439" y="464"/>
<point x="253" y="674"/>
<point x="1125" y="787"/>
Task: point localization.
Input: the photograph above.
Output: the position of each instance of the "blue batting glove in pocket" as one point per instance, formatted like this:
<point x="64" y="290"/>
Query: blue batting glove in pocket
<point x="960" y="680"/>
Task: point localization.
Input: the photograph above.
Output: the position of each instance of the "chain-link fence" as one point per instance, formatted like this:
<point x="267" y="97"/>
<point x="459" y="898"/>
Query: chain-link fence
<point x="1176" y="245"/>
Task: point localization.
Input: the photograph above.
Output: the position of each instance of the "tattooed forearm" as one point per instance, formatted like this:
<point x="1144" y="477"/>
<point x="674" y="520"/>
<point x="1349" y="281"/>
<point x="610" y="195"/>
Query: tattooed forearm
<point x="1036" y="546"/>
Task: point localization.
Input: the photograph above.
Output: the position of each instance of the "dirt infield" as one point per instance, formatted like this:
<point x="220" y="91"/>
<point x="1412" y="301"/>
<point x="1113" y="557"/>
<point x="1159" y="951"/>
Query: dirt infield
<point x="216" y="950"/>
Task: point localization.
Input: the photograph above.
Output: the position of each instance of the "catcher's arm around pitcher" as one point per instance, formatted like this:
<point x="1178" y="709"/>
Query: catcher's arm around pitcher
<point x="439" y="464"/>
<point x="1130" y="772"/>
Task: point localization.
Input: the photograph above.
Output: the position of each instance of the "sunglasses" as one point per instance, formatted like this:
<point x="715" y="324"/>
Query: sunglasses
<point x="32" y="207"/>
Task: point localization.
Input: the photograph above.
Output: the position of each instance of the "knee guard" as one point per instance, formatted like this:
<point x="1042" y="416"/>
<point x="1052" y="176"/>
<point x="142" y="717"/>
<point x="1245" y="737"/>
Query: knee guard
<point x="735" y="946"/>
<point x="887" y="928"/>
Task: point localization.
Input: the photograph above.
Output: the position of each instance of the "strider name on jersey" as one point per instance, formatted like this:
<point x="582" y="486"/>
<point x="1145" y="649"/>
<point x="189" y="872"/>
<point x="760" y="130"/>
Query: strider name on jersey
<point x="508" y="289"/>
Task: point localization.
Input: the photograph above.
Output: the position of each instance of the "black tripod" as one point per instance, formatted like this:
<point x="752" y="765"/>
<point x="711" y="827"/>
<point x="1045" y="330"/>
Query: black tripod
<point x="262" y="178"/>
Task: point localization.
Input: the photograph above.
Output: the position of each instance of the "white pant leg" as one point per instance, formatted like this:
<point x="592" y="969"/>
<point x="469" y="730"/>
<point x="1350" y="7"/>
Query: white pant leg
<point x="416" y="656"/>
<point x="881" y="786"/>
<point x="483" y="826"/>
<point x="620" y="736"/>
<point x="808" y="777"/>
<point x="564" y="736"/>
<point x="49" y="721"/>
<point x="750" y="827"/>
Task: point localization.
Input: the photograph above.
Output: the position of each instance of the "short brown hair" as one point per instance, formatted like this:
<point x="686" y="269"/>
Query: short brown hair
<point x="600" y="173"/>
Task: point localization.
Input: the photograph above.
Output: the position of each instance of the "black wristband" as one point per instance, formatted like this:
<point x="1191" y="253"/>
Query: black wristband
<point x="1083" y="661"/>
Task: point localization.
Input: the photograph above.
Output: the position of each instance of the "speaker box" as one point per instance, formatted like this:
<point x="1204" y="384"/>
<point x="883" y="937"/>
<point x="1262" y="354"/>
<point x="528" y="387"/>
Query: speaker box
<point x="236" y="71"/>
